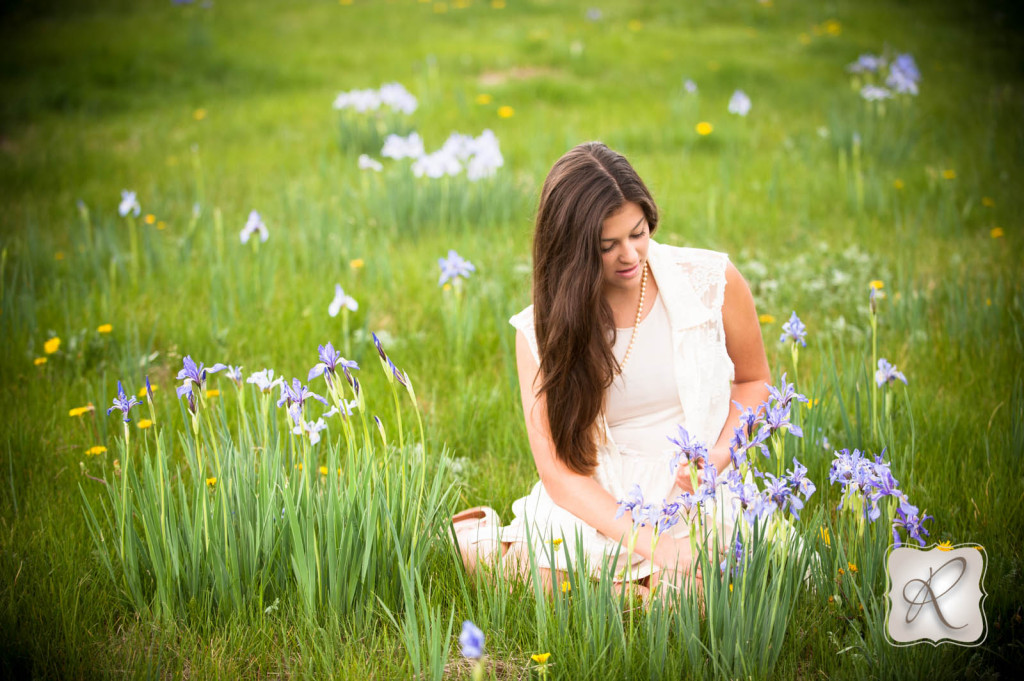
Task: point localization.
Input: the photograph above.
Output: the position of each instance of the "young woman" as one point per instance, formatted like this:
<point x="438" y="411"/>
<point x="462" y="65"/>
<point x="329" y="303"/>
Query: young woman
<point x="625" y="340"/>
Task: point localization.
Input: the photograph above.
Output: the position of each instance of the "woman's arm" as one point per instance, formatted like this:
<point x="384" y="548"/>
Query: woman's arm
<point x="745" y="346"/>
<point x="581" y="495"/>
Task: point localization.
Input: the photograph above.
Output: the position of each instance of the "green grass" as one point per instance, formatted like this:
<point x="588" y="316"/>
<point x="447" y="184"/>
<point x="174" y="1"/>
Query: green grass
<point x="101" y="97"/>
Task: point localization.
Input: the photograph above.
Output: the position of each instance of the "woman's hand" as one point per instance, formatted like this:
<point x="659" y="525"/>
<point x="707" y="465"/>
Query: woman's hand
<point x="719" y="458"/>
<point x="673" y="554"/>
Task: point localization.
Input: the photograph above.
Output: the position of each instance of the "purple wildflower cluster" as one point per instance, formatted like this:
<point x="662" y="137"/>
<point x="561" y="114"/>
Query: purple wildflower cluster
<point x="757" y="427"/>
<point x="193" y="374"/>
<point x="865" y="481"/>
<point x="124" y="403"/>
<point x="900" y="76"/>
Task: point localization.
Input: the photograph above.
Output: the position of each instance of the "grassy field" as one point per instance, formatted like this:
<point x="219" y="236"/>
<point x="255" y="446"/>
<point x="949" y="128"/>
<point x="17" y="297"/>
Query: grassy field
<point x="211" y="110"/>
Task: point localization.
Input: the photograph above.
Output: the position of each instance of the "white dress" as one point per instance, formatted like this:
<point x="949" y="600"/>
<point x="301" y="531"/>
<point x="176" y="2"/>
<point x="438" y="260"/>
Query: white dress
<point x="678" y="373"/>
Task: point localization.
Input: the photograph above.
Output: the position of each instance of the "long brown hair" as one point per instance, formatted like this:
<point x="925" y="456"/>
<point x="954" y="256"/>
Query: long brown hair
<point x="574" y="325"/>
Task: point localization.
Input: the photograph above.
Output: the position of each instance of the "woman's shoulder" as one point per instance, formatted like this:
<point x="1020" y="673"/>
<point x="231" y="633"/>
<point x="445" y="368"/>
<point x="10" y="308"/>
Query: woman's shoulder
<point x="688" y="255"/>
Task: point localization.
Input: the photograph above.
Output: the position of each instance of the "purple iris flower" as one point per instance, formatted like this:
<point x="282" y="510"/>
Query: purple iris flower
<point x="688" y="449"/>
<point x="296" y="396"/>
<point x="264" y="380"/>
<point x="887" y="373"/>
<point x="912" y="522"/>
<point x="779" y="495"/>
<point x="453" y="267"/>
<point x="709" y="485"/>
<point x="668" y="517"/>
<point x="744" y="437"/>
<point x="123" y="402"/>
<point x="330" y="360"/>
<point x="149" y="389"/>
<point x="794" y="331"/>
<point x="235" y="374"/>
<point x="798" y="478"/>
<point x="778" y="418"/>
<point x="750" y="501"/>
<point x="472" y="641"/>
<point x="785" y="393"/>
<point x="192" y="374"/>
<point x="634" y="500"/>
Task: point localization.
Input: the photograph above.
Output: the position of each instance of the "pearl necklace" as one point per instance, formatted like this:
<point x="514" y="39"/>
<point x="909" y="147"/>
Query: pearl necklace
<point x="636" y="324"/>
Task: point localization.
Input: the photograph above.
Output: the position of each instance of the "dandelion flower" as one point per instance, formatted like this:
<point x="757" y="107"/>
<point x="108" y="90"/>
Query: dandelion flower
<point x="766" y="319"/>
<point x="506" y="111"/>
<point x="149" y="219"/>
<point x="540" y="658"/>
<point x="59" y="255"/>
<point x="988" y="202"/>
<point x="142" y="390"/>
<point x="211" y="481"/>
<point x="39" y="361"/>
<point x="213" y="392"/>
<point x="898" y="184"/>
<point x="832" y="27"/>
<point x="52" y="345"/>
<point x="498" y="4"/>
<point x="825" y="537"/>
<point x="145" y="423"/>
<point x="852" y="566"/>
<point x="161" y="225"/>
<point x="996" y="232"/>
<point x="945" y="546"/>
<point x="96" y="450"/>
<point x="356" y="263"/>
<point x="877" y="284"/>
<point x="566" y="587"/>
<point x="104" y="328"/>
<point x="704" y="128"/>
<point x="323" y="470"/>
<point x="949" y="174"/>
<point x="78" y="411"/>
<point x="199" y="114"/>
<point x="635" y="25"/>
<point x="483" y="98"/>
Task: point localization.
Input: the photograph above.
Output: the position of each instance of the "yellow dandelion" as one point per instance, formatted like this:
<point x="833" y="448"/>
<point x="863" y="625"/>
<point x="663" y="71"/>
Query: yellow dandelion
<point x="498" y="4"/>
<point x="988" y="302"/>
<point x="877" y="284"/>
<point x="298" y="466"/>
<point x="59" y="255"/>
<point x="811" y="404"/>
<point x="323" y="470"/>
<point x="344" y="2"/>
<point x="211" y="482"/>
<point x="506" y="111"/>
<point x="730" y="588"/>
<point x="566" y="587"/>
<point x="104" y="328"/>
<point x="635" y="24"/>
<point x="804" y="39"/>
<point x="39" y="361"/>
<point x="831" y="599"/>
<point x="833" y="27"/>
<point x="356" y="263"/>
<point x="949" y="174"/>
<point x="161" y="225"/>
<point x="199" y="114"/>
<point x="213" y="392"/>
<point x="145" y="423"/>
<point x="142" y="390"/>
<point x="78" y="411"/>
<point x="825" y="537"/>
<point x="540" y="658"/>
<point x="842" y="572"/>
<point x="96" y="450"/>
<point x="852" y="566"/>
<point x="945" y="546"/>
<point x="979" y="548"/>
<point x="440" y="8"/>
<point x="704" y="128"/>
<point x="898" y="183"/>
<point x="150" y="219"/>
<point x="766" y="319"/>
<point x="483" y="98"/>
<point x="988" y="202"/>
<point x="996" y="232"/>
<point x="51" y="346"/>
<point x="446" y="287"/>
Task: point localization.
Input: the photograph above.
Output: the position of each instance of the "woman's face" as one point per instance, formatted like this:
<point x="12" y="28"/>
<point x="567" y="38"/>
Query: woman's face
<point x="625" y="236"/>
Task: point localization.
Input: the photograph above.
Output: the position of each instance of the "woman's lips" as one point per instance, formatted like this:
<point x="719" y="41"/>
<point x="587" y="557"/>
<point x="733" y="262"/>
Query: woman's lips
<point x="628" y="272"/>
